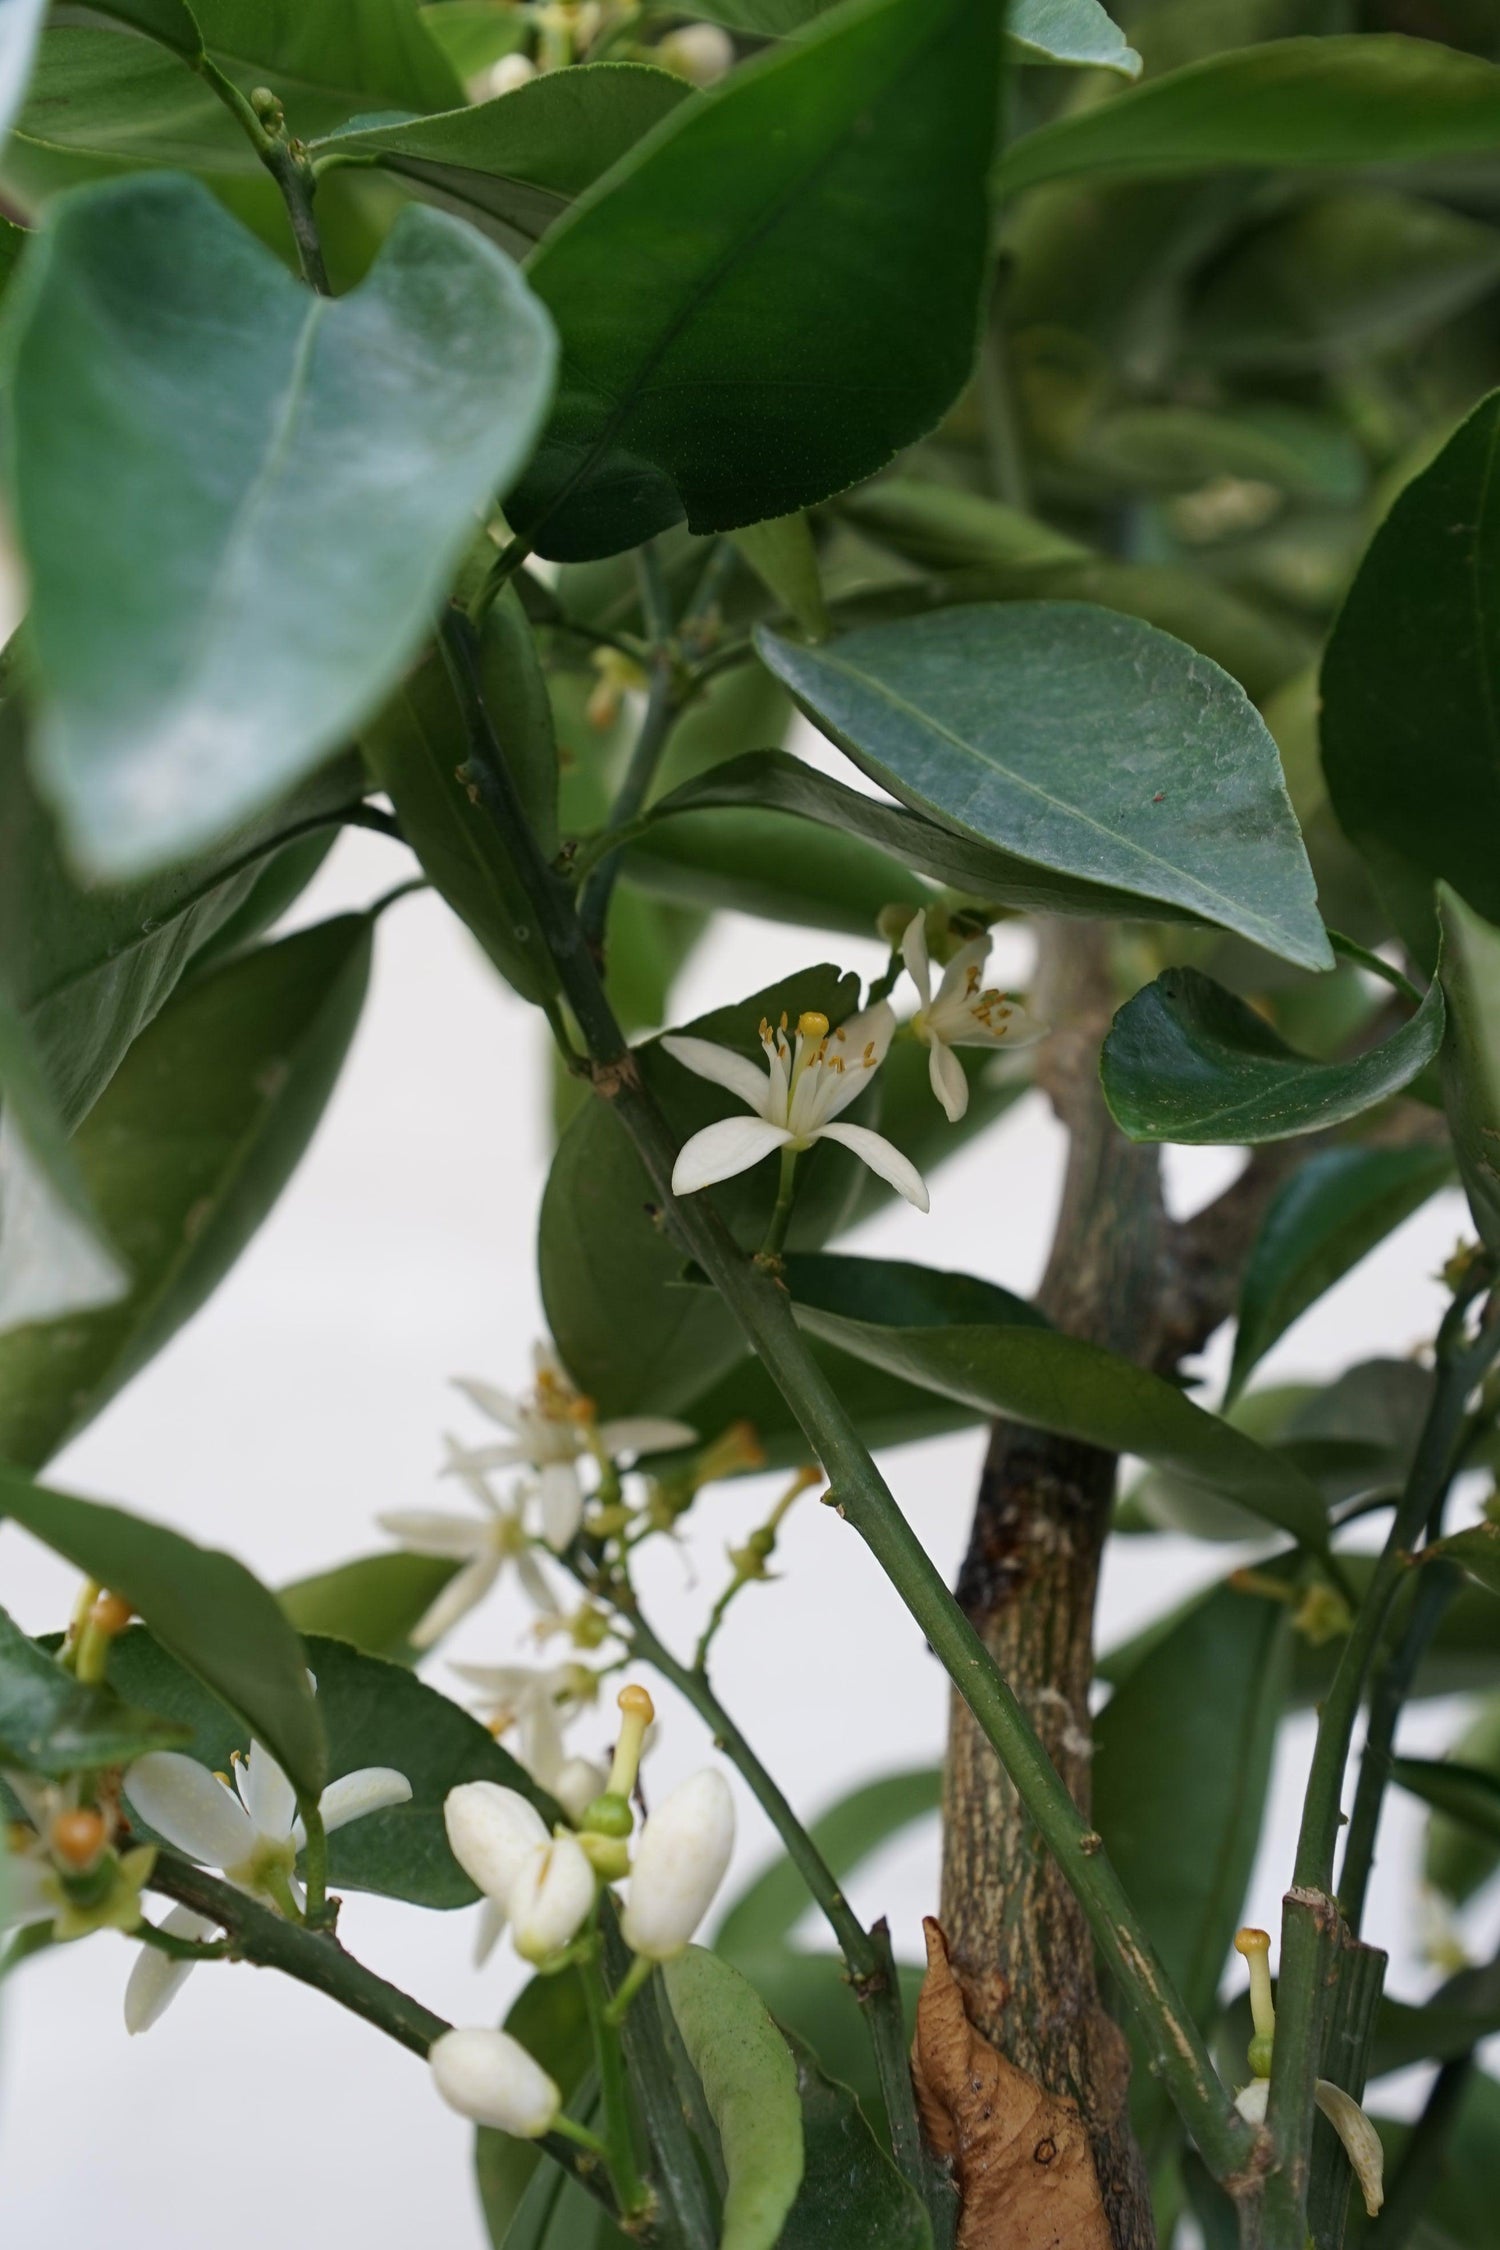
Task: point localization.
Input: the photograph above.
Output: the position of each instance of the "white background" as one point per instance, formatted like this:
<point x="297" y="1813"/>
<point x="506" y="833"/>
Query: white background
<point x="311" y="1393"/>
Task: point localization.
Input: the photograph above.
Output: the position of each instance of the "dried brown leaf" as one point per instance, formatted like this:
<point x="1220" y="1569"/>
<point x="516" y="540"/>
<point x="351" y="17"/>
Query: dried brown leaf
<point x="1020" y="2155"/>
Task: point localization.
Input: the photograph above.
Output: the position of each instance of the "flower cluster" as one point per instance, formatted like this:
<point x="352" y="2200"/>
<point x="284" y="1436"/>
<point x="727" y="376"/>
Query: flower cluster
<point x="544" y="1886"/>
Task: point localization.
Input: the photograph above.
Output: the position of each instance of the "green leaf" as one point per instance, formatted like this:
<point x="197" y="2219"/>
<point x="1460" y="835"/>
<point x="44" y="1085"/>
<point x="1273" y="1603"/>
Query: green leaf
<point x="851" y="2192"/>
<point x="1075" y="33"/>
<point x="1178" y="448"/>
<point x="204" y="1607"/>
<point x="475" y="34"/>
<point x="177" y="393"/>
<point x="167" y="21"/>
<point x="1411" y="742"/>
<point x="372" y="1714"/>
<point x="1458" y="1861"/>
<point x="885" y="1412"/>
<point x="182" y="1158"/>
<point x="1187" y="1061"/>
<point x="1003" y="1363"/>
<point x="326" y="61"/>
<point x="783" y="557"/>
<point x="840" y="221"/>
<point x="50" y="1725"/>
<point x="1331" y="1213"/>
<point x="1360" y="100"/>
<point x="763" y="863"/>
<point x="513" y="165"/>
<point x="1181" y="1770"/>
<point x="89" y="965"/>
<point x="1469" y="972"/>
<point x="100" y="95"/>
<point x="372" y="1602"/>
<point x="1082" y="741"/>
<point x="750" y="2085"/>
<point x="1460" y="2213"/>
<point x="1476" y="1550"/>
<point x="54" y="1258"/>
<point x="1359" y="270"/>
<point x="20" y="29"/>
<point x="416" y="746"/>
<point x="632" y="1339"/>
<point x="550" y="2018"/>
<point x="1469" y="1794"/>
<point x="768" y="1909"/>
<point x="943" y="527"/>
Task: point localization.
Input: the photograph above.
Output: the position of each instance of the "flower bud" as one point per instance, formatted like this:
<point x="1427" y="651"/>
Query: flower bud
<point x="508" y="73"/>
<point x="679" y="1864"/>
<point x="489" y="2077"/>
<point x="78" y="1838"/>
<point x="550" y="1898"/>
<point x="492" y="1831"/>
<point x="578" y="1783"/>
<point x="702" y="53"/>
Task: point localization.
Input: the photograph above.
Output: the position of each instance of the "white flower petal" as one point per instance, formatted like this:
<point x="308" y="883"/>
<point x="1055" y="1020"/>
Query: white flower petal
<point x="427" y="1531"/>
<point x="535" y="1585"/>
<point x="478" y="1461"/>
<point x="156" y="1977"/>
<point x="489" y="2077"/>
<point x="370" y="1789"/>
<point x="490" y="1930"/>
<point x="950" y="1085"/>
<point x="722" y="1150"/>
<point x="644" y="1433"/>
<point x="1250" y="2101"/>
<point x="491" y="1400"/>
<point x="560" y="1499"/>
<point x="721" y="1066"/>
<point x="191" y="1807"/>
<point x="28" y="1890"/>
<point x="577" y="1782"/>
<point x="551" y="1897"/>
<point x="539" y="1736"/>
<point x="956" y="977"/>
<point x="680" y="1862"/>
<point x="267" y="1795"/>
<point x="458" y="1597"/>
<point x="917" y="958"/>
<point x="883" y="1158"/>
<point x="1360" y="2139"/>
<point x="869" y="1035"/>
<point x="491" y="1831"/>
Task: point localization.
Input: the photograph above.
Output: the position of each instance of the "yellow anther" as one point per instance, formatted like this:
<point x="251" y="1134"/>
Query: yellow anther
<point x="812" y="1025"/>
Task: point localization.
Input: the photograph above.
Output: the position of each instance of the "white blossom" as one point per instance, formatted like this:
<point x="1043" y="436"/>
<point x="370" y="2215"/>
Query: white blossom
<point x="679" y="1863"/>
<point x="550" y="1898"/>
<point x="484" y="1544"/>
<point x="251" y="1832"/>
<point x="807" y="1082"/>
<point x="489" y="2077"/>
<point x="963" y="1013"/>
<point x="538" y="1701"/>
<point x="552" y="1431"/>
<point x="703" y="53"/>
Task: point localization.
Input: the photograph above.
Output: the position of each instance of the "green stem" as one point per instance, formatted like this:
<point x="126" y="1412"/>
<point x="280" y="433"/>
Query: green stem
<point x="663" y="708"/>
<point x="619" y="2130"/>
<point x="1309" y="1944"/>
<point x="763" y="1311"/>
<point x="183" y="1948"/>
<point x="871" y="1970"/>
<point x="505" y="565"/>
<point x="658" y="2078"/>
<point x="288" y="167"/>
<point x="781" y="1215"/>
<point x="314" y="1862"/>
<point x="316" y="1958"/>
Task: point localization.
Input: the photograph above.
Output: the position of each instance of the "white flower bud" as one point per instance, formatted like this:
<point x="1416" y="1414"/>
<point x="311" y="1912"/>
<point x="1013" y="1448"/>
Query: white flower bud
<point x="579" y="1781"/>
<point x="493" y="1831"/>
<point x="508" y="73"/>
<point x="702" y="53"/>
<point x="1250" y="2101"/>
<point x="551" y="1896"/>
<point x="489" y="2077"/>
<point x="679" y="1864"/>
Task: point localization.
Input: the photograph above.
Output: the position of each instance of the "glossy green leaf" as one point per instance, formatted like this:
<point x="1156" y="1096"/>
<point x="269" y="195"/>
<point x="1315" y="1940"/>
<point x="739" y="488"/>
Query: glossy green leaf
<point x="1347" y="1448"/>
<point x="372" y="1602"/>
<point x="50" y="1725"/>
<point x="416" y="747"/>
<point x="279" y="881"/>
<point x="204" y="1607"/>
<point x="634" y="1340"/>
<point x="97" y="94"/>
<point x="178" y="394"/>
<point x="1359" y="270"/>
<point x="183" y="1156"/>
<point x="1331" y="1213"/>
<point x="1178" y="448"/>
<point x="20" y="29"/>
<point x="749" y="2083"/>
<point x="372" y="1714"/>
<point x="1187" y="1061"/>
<point x="1470" y="976"/>
<point x="851" y="2192"/>
<point x="475" y="34"/>
<point x="953" y="1335"/>
<point x="1074" y="33"/>
<point x="89" y="965"/>
<point x="1181" y="1770"/>
<point x="766" y="1912"/>
<point x="513" y="165"/>
<point x="1468" y="1794"/>
<point x="839" y="221"/>
<point x="782" y="555"/>
<point x="1458" y="1859"/>
<point x="1477" y="1551"/>
<point x="763" y="863"/>
<point x="54" y="1258"/>
<point x="884" y="1411"/>
<point x="1082" y="741"/>
<point x="944" y="527"/>
<point x="1364" y="100"/>
<point x="169" y="22"/>
<point x="1411" y="741"/>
